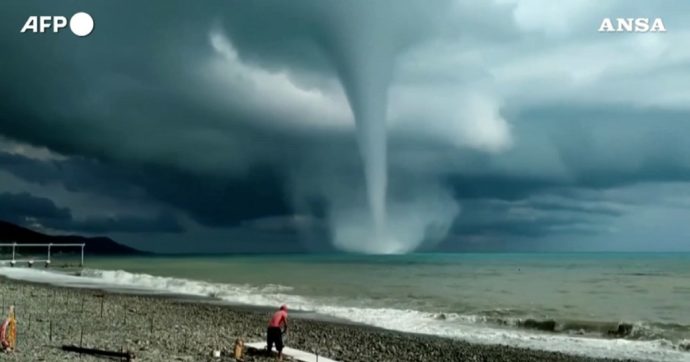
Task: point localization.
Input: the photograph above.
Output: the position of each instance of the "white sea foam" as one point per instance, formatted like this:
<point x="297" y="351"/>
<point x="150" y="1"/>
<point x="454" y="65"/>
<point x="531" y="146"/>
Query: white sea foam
<point x="466" y="327"/>
<point x="428" y="323"/>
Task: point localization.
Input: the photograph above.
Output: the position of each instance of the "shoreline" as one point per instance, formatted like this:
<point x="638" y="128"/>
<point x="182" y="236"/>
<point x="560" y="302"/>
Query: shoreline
<point x="168" y="328"/>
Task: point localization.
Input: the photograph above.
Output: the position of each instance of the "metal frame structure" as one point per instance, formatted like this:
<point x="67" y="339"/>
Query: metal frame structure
<point x="46" y="261"/>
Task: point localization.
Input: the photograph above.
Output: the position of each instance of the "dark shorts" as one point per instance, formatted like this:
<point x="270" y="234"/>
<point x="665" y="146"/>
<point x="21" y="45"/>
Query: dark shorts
<point x="274" y="336"/>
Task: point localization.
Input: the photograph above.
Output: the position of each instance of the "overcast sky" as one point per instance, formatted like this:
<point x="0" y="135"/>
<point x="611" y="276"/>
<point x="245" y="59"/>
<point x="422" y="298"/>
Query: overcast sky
<point x="225" y="125"/>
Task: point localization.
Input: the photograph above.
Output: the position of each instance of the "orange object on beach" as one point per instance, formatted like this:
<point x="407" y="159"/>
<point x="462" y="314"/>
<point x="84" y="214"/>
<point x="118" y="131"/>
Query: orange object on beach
<point x="238" y="350"/>
<point x="8" y="332"/>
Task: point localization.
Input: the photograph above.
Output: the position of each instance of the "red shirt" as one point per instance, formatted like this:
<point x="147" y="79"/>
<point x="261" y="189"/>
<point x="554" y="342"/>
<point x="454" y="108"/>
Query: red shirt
<point x="278" y="318"/>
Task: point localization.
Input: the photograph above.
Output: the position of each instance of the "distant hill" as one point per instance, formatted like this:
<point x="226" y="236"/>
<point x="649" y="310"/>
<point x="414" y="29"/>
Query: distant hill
<point x="10" y="233"/>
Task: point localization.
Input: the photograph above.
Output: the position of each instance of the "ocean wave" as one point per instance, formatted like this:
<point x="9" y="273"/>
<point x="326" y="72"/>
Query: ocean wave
<point x="636" y="340"/>
<point x="635" y="330"/>
<point x="262" y="295"/>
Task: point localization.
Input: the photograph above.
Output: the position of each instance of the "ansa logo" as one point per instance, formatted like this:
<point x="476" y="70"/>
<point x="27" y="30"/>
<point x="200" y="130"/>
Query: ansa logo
<point x="637" y="25"/>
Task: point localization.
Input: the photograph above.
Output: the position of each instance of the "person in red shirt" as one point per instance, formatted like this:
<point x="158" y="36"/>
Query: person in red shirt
<point x="276" y="327"/>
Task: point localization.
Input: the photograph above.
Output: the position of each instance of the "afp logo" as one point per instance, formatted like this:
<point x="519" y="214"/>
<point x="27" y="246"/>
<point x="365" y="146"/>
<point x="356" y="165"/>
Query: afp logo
<point x="80" y="23"/>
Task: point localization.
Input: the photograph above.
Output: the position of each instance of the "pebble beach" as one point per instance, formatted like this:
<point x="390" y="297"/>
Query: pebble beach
<point x="168" y="328"/>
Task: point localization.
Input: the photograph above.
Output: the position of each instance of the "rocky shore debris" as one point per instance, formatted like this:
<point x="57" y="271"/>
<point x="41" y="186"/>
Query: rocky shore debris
<point x="545" y="325"/>
<point x="127" y="356"/>
<point x="623" y="330"/>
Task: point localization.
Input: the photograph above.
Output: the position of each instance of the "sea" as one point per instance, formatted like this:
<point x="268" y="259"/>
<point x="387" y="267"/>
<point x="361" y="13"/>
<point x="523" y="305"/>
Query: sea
<point x="618" y="305"/>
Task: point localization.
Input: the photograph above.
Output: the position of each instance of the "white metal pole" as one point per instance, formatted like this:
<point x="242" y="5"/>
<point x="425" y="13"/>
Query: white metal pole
<point x="82" y="254"/>
<point x="49" y="245"/>
<point x="14" y="245"/>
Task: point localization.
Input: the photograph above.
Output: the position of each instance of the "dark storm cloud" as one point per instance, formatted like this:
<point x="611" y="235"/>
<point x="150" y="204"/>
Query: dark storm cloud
<point x="217" y="110"/>
<point x="161" y="223"/>
<point x="126" y="96"/>
<point x="502" y="186"/>
<point x="533" y="217"/>
<point x="285" y="225"/>
<point x="614" y="146"/>
<point x="75" y="174"/>
<point x="28" y="210"/>
<point x="18" y="208"/>
<point x="574" y="207"/>
<point x="220" y="201"/>
<point x="508" y="228"/>
<point x="211" y="201"/>
<point x="587" y="148"/>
